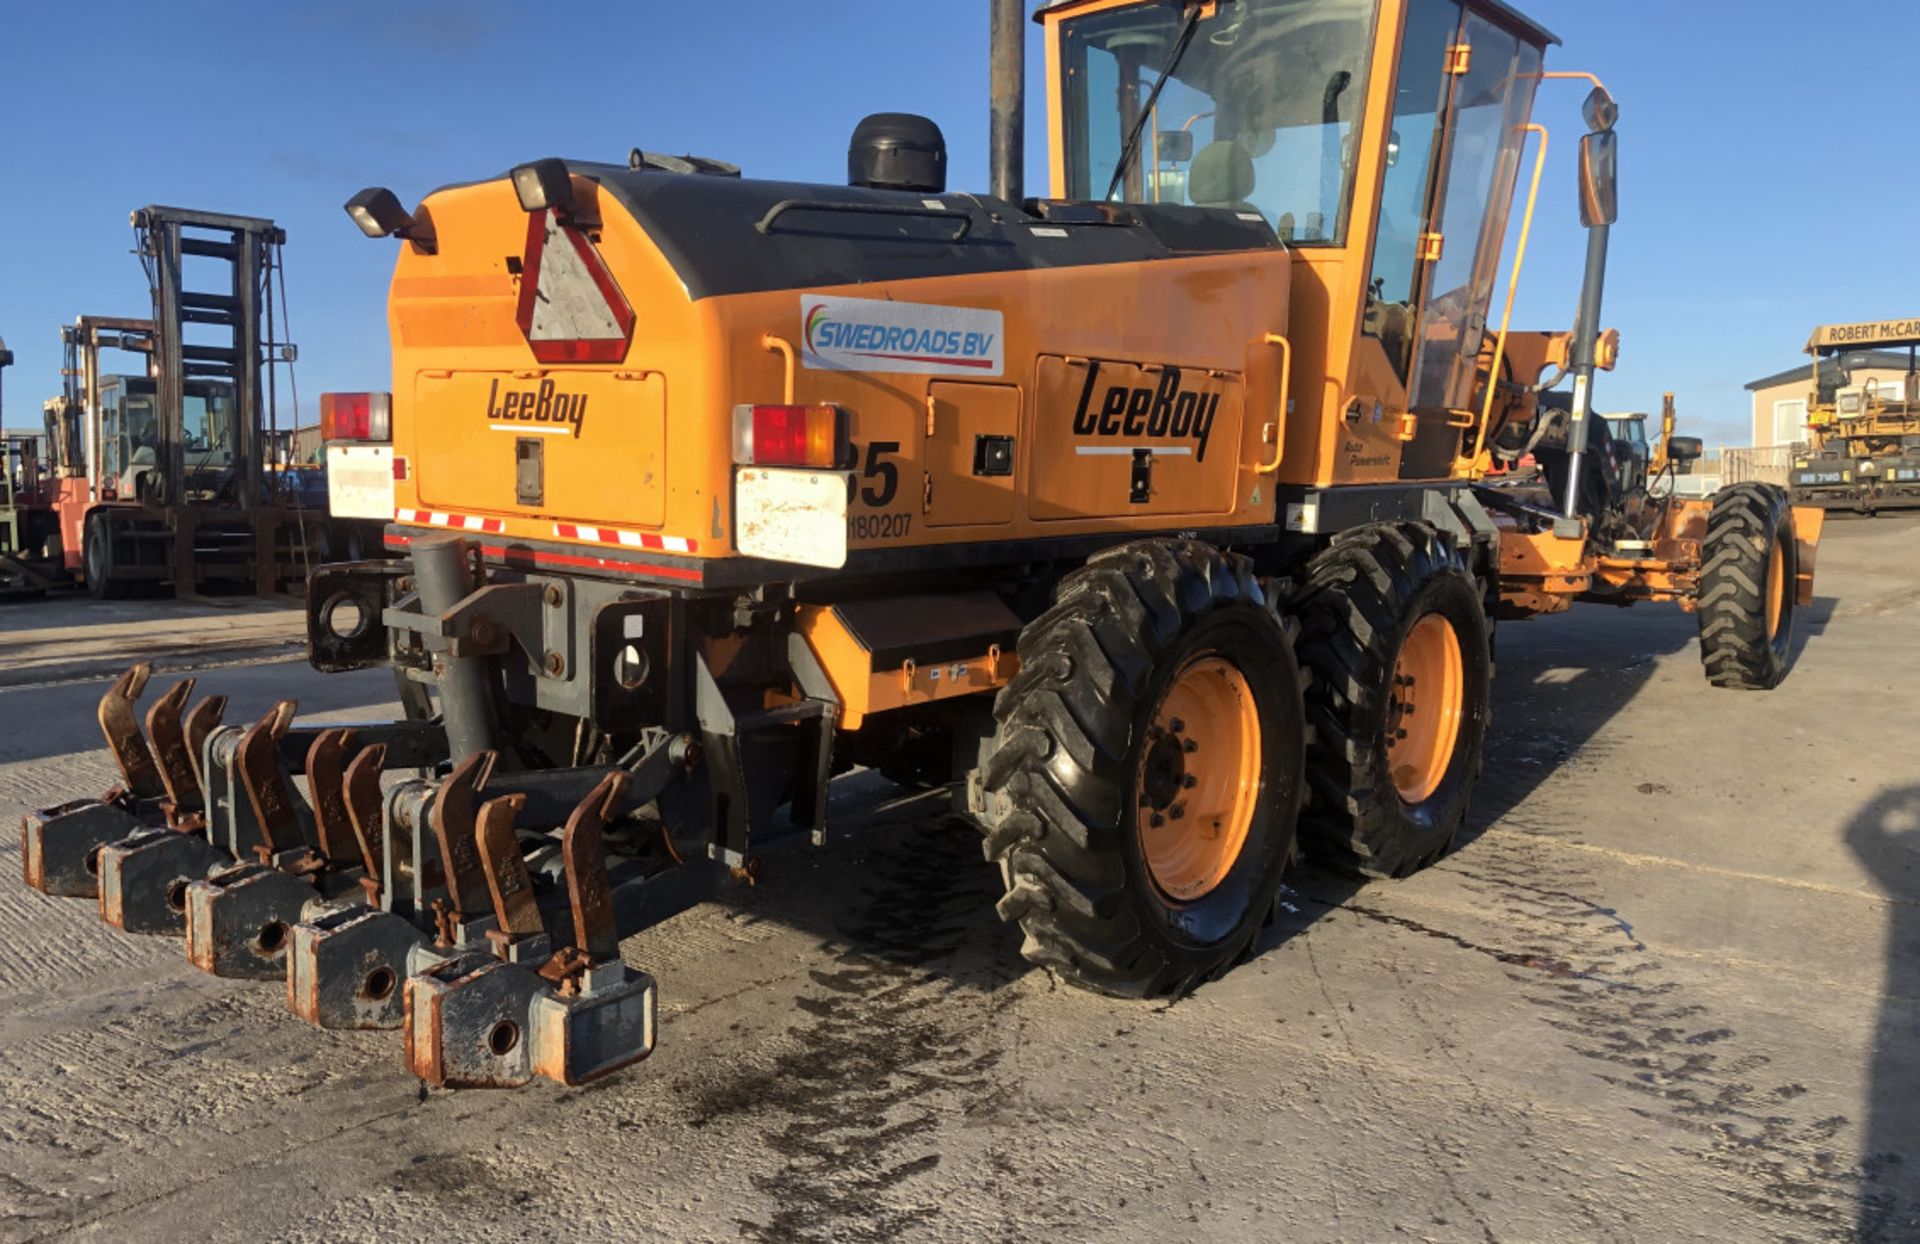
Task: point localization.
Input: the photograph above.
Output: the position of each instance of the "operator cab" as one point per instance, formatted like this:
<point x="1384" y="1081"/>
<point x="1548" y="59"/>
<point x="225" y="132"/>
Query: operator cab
<point x="131" y="449"/>
<point x="1391" y="182"/>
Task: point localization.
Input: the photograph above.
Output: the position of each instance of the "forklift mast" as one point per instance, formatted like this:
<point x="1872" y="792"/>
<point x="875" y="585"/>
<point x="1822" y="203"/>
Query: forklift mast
<point x="229" y="314"/>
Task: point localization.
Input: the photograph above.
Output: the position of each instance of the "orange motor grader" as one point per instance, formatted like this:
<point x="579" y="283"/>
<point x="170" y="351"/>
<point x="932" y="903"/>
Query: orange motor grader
<point x="1149" y="513"/>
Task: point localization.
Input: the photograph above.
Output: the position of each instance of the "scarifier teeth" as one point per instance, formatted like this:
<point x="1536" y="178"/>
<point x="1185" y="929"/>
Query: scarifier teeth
<point x="508" y="882"/>
<point x="167" y="733"/>
<point x="257" y="760"/>
<point x="202" y="720"/>
<point x="122" y="731"/>
<point x="585" y="860"/>
<point x="327" y="788"/>
<point x="361" y="786"/>
<point x="455" y="810"/>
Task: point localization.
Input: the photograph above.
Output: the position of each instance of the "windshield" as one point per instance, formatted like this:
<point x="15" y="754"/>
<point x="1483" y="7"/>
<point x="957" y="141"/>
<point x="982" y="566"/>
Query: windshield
<point x="1258" y="115"/>
<point x="207" y="419"/>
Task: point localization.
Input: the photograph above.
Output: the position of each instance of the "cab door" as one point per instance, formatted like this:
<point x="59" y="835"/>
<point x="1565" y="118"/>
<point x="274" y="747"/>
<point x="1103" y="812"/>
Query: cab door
<point x="1492" y="77"/>
<point x="1463" y="95"/>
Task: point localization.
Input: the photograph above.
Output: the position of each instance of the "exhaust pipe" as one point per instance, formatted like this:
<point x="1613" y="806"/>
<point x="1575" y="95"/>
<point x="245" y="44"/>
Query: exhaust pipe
<point x="1009" y="85"/>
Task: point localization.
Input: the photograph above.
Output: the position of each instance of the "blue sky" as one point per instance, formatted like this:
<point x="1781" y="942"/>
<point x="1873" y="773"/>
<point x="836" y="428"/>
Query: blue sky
<point x="1766" y="182"/>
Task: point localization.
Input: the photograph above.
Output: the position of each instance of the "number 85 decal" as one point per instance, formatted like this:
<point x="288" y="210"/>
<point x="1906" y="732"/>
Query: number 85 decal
<point x="879" y="479"/>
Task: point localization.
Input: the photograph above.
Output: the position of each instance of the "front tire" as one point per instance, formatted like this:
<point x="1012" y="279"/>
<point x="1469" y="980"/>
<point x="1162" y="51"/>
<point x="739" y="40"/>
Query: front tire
<point x="96" y="559"/>
<point x="1750" y="564"/>
<point x="1396" y="637"/>
<point x="1143" y="783"/>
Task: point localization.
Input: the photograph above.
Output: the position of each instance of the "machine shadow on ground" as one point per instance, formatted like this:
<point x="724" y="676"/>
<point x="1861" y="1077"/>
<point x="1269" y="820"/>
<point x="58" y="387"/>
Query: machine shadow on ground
<point x="1885" y="836"/>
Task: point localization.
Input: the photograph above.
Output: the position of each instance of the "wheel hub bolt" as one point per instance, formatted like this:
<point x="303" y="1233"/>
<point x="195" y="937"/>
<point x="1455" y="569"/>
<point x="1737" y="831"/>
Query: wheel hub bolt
<point x="1177" y="726"/>
<point x="1177" y="811"/>
<point x="1188" y="781"/>
<point x="1189" y="746"/>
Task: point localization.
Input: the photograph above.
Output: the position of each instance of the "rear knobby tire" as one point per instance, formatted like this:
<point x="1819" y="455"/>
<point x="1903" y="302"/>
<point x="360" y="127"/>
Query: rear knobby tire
<point x="1750" y="563"/>
<point x="1086" y="753"/>
<point x="1377" y="810"/>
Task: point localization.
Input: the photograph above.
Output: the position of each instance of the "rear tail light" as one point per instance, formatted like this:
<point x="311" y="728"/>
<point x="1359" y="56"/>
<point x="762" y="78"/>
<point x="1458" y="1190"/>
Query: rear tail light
<point x="799" y="436"/>
<point x="356" y="416"/>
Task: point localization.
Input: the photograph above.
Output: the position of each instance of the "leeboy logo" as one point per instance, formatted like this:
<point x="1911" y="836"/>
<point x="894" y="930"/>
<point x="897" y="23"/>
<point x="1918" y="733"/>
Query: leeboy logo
<point x="542" y="408"/>
<point x="1161" y="409"/>
<point x="875" y="335"/>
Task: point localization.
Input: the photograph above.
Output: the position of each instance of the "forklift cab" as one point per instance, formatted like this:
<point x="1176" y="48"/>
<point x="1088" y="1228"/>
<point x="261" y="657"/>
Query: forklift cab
<point x="132" y="451"/>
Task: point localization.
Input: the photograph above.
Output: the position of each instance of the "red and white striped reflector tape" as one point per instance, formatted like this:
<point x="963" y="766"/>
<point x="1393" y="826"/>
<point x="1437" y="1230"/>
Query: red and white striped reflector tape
<point x="459" y="522"/>
<point x="626" y="539"/>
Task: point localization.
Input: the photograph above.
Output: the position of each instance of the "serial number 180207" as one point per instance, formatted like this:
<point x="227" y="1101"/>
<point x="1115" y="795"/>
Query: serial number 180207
<point x="878" y="526"/>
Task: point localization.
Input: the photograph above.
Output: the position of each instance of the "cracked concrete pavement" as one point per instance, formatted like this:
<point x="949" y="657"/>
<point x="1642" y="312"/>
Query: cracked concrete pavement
<point x="1667" y="990"/>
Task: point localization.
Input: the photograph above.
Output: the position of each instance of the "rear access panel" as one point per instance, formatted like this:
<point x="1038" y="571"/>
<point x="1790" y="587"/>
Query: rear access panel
<point x="1117" y="439"/>
<point x="601" y="439"/>
<point x="972" y="453"/>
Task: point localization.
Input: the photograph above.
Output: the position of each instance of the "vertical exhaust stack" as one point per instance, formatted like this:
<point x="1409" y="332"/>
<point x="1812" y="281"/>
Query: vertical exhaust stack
<point x="1009" y="121"/>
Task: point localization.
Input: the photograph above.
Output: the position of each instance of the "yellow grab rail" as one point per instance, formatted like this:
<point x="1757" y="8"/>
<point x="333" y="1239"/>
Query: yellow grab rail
<point x="1286" y="387"/>
<point x="784" y="349"/>
<point x="1513" y="289"/>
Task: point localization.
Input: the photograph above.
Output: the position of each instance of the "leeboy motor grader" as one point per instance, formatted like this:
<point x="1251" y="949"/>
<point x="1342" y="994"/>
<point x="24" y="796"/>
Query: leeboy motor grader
<point x="1147" y="512"/>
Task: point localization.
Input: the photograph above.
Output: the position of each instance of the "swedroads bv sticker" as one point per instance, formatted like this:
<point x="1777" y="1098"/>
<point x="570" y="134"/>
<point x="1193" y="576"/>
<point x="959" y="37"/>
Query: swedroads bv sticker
<point x="867" y="334"/>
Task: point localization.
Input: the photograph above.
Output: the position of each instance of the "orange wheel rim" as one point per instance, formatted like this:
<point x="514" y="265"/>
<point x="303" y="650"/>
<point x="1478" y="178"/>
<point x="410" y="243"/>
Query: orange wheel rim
<point x="1199" y="778"/>
<point x="1776" y="587"/>
<point x="1424" y="708"/>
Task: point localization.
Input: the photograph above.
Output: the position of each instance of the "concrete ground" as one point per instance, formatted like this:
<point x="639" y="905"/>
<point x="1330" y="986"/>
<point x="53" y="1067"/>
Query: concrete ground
<point x="1666" y="991"/>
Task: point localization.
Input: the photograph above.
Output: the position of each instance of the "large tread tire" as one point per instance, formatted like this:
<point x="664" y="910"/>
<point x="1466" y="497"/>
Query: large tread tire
<point x="1361" y="597"/>
<point x="1059" y="785"/>
<point x="1748" y="529"/>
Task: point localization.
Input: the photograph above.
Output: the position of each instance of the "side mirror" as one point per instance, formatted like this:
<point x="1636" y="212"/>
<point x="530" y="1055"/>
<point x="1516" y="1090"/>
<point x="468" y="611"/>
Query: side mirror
<point x="1175" y="146"/>
<point x="1599" y="170"/>
<point x="1599" y="111"/>
<point x="6" y="355"/>
<point x="543" y="184"/>
<point x="1684" y="448"/>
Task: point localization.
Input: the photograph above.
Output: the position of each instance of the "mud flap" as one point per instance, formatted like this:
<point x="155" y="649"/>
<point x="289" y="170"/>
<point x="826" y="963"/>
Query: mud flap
<point x="1807" y="522"/>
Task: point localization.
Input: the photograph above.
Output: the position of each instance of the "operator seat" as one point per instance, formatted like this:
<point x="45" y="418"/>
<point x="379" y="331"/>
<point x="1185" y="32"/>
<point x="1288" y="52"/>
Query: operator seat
<point x="1221" y="176"/>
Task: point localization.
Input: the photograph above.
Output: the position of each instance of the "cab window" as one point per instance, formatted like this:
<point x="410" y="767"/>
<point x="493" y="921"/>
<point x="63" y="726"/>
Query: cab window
<point x="1259" y="113"/>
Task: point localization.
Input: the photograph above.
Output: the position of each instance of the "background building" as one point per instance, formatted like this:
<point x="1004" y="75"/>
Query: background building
<point x="1780" y="401"/>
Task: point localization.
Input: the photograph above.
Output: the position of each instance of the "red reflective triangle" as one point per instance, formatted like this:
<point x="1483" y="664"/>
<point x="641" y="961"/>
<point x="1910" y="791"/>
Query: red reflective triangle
<point x="570" y="310"/>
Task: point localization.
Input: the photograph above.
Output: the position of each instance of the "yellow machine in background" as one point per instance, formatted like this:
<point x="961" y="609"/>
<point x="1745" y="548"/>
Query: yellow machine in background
<point x="1864" y="438"/>
<point x="1090" y="504"/>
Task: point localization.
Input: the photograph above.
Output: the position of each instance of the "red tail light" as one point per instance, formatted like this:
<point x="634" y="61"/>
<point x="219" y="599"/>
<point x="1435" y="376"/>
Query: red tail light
<point x="800" y="436"/>
<point x="356" y="416"/>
